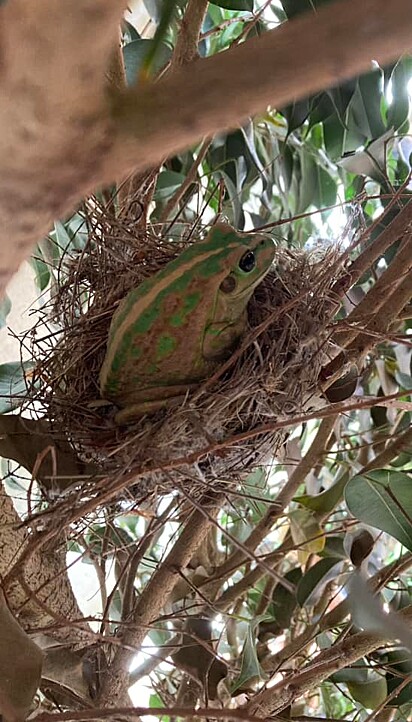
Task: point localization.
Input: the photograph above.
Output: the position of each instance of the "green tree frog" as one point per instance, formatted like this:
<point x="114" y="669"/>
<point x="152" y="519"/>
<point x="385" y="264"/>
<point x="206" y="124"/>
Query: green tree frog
<point x="174" y="329"/>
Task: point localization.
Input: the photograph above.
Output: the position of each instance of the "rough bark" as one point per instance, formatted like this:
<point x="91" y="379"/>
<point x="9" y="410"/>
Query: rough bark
<point x="61" y="136"/>
<point x="39" y="595"/>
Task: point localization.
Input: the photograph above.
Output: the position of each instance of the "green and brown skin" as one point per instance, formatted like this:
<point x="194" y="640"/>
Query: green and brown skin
<point x="175" y="329"/>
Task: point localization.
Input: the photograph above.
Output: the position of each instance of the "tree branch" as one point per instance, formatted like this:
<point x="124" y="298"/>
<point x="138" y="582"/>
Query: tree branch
<point x="188" y="39"/>
<point x="61" y="137"/>
<point x="274" y="700"/>
<point x="154" y="597"/>
<point x="401" y="442"/>
<point x="285" y="496"/>
<point x="336" y="42"/>
<point x="377" y="297"/>
<point x="53" y="113"/>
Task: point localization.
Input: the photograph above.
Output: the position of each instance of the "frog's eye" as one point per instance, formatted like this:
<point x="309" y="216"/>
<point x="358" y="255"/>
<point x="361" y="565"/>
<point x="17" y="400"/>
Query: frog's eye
<point x="247" y="262"/>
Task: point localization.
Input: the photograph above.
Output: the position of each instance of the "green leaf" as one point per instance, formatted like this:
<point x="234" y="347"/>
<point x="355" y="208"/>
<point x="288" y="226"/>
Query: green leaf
<point x="235" y="202"/>
<point x="371" y="161"/>
<point x="326" y="188"/>
<point x="155" y="701"/>
<point x="250" y="140"/>
<point x="398" y="664"/>
<point x="51" y="250"/>
<point x="315" y="579"/>
<point x="250" y="670"/>
<point x="62" y="237"/>
<point x="5" y="306"/>
<point x="327" y="500"/>
<point x="287" y="165"/>
<point x="367" y="612"/>
<point x="13" y="385"/>
<point x="150" y="64"/>
<point x="306" y="532"/>
<point x="296" y="114"/>
<point x="364" y="110"/>
<point x="370" y="693"/>
<point x="135" y="54"/>
<point x="334" y="548"/>
<point x="282" y="606"/>
<point x="404" y="380"/>
<point x="167" y="183"/>
<point x="307" y="181"/>
<point x="234" y="4"/>
<point x="358" y="673"/>
<point x="41" y="270"/>
<point x="333" y="135"/>
<point x="229" y="34"/>
<point x="77" y="230"/>
<point x="383" y="498"/>
<point x="398" y="111"/>
<point x="317" y="187"/>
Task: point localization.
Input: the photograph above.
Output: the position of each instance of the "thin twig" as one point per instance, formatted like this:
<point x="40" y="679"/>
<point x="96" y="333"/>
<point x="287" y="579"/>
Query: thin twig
<point x="190" y="178"/>
<point x="277" y="508"/>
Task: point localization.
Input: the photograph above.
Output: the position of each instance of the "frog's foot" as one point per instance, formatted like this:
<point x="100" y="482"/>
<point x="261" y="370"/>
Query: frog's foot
<point x="156" y="399"/>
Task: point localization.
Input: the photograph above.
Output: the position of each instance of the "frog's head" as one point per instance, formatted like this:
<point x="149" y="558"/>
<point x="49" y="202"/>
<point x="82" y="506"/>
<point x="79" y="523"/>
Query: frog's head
<point x="249" y="259"/>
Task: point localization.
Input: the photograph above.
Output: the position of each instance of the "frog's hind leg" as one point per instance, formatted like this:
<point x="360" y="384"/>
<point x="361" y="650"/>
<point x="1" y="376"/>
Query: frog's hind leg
<point x="163" y="398"/>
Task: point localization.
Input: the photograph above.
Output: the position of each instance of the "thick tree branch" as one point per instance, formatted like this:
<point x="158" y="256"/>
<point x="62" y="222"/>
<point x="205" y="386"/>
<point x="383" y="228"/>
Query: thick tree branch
<point x="60" y="137"/>
<point x="336" y="42"/>
<point x="53" y="113"/>
<point x="154" y="597"/>
<point x="40" y="595"/>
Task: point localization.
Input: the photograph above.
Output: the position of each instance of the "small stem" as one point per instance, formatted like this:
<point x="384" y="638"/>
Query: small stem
<point x="190" y="178"/>
<point x="149" y="665"/>
<point x="186" y="49"/>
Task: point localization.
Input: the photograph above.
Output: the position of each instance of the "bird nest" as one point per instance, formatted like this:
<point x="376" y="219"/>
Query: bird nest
<point x="227" y="427"/>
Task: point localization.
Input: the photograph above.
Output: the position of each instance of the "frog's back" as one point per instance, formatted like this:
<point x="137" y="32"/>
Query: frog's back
<point x="156" y="335"/>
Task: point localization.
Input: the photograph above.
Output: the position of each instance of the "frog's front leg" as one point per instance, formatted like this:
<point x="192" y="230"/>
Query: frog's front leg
<point x="155" y="399"/>
<point x="220" y="338"/>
